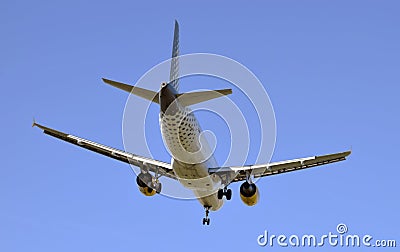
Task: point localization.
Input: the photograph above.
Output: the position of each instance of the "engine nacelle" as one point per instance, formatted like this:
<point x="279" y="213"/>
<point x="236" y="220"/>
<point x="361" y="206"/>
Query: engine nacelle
<point x="143" y="180"/>
<point x="249" y="193"/>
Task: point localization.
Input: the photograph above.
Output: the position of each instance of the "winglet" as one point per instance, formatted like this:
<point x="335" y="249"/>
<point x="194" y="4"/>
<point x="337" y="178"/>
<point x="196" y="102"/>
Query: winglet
<point x="347" y="153"/>
<point x="34" y="122"/>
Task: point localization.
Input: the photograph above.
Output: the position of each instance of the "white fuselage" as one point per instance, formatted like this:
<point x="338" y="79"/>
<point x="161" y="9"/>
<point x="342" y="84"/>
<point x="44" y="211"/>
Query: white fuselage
<point x="191" y="157"/>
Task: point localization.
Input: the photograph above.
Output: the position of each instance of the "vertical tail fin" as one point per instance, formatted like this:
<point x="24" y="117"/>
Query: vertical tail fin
<point x="174" y="72"/>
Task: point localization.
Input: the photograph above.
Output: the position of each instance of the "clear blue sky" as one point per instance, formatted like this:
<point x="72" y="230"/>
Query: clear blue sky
<point x="331" y="69"/>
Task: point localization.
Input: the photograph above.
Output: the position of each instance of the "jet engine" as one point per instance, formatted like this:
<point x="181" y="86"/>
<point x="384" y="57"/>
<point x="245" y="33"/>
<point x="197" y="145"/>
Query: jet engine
<point x="249" y="193"/>
<point x="144" y="180"/>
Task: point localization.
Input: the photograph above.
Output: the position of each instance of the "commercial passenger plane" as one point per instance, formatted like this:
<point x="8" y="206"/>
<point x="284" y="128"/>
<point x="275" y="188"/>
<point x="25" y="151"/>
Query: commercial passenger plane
<point x="191" y="163"/>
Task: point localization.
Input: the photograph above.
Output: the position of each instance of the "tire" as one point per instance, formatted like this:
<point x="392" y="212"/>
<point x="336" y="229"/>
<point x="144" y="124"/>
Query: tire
<point x="220" y="194"/>
<point x="228" y="194"/>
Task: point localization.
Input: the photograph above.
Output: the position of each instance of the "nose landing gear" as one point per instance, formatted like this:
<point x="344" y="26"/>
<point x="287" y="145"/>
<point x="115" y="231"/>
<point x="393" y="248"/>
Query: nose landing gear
<point x="206" y="220"/>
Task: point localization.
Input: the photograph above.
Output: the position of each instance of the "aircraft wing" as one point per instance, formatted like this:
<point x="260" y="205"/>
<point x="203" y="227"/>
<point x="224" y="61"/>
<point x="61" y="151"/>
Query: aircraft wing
<point x="240" y="173"/>
<point x="161" y="168"/>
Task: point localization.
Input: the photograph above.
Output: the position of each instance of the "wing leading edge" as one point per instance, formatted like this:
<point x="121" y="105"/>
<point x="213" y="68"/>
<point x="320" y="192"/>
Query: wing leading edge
<point x="161" y="168"/>
<point x="240" y="173"/>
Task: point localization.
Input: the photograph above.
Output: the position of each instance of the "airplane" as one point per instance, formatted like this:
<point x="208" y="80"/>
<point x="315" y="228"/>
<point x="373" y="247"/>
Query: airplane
<point x="190" y="164"/>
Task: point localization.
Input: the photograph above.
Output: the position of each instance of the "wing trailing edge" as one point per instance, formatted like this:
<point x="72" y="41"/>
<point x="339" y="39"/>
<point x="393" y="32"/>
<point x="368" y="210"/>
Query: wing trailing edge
<point x="149" y="164"/>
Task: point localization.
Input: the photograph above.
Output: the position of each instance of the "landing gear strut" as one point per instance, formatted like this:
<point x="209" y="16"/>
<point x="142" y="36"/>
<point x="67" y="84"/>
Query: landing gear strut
<point x="206" y="220"/>
<point x="225" y="192"/>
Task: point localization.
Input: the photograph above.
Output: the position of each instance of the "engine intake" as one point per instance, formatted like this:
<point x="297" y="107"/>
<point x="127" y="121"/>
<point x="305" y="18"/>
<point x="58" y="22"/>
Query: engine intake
<point x="249" y="193"/>
<point x="143" y="180"/>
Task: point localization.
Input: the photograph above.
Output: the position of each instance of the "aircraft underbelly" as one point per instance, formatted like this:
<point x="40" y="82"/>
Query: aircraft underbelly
<point x="192" y="157"/>
<point x="196" y="178"/>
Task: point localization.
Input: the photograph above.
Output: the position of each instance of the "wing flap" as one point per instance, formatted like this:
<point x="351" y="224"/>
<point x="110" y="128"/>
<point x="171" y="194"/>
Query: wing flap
<point x="240" y="172"/>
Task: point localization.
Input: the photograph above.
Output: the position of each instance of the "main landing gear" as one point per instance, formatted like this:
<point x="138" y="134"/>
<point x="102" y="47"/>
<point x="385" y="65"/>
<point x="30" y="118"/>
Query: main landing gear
<point x="225" y="192"/>
<point x="206" y="220"/>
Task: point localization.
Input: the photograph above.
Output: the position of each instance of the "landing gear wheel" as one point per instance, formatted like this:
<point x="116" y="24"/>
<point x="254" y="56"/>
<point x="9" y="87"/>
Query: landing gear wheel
<point x="228" y="194"/>
<point x="220" y="194"/>
<point x="224" y="192"/>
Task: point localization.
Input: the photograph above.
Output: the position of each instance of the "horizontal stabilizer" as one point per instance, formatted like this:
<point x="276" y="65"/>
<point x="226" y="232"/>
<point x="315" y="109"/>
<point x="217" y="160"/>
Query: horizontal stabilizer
<point x="191" y="98"/>
<point x="141" y="92"/>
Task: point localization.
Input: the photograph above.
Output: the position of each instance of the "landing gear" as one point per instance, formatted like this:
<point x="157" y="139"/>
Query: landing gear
<point x="228" y="194"/>
<point x="206" y="220"/>
<point x="224" y="192"/>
